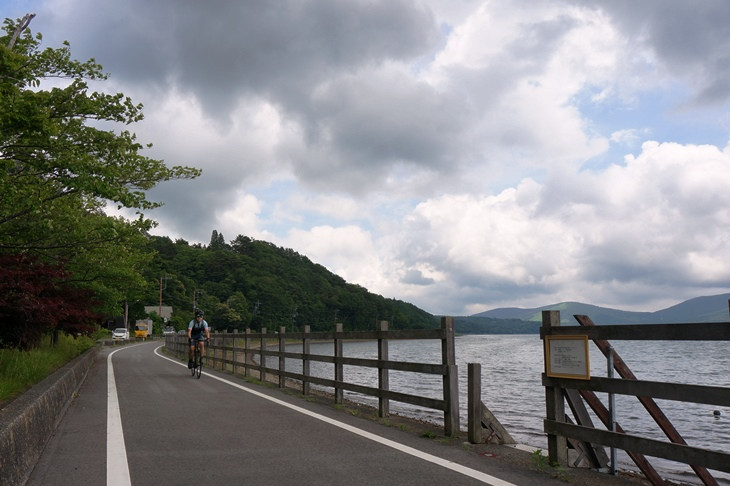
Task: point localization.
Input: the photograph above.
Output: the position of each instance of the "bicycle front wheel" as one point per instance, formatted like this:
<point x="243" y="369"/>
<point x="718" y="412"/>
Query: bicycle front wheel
<point x="196" y="357"/>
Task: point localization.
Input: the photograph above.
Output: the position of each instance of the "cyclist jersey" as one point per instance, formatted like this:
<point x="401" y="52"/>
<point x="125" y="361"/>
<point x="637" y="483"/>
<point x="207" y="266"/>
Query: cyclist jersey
<point x="197" y="329"/>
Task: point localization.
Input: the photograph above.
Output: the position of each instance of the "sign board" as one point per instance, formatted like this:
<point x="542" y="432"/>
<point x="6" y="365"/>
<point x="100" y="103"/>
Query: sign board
<point x="567" y="357"/>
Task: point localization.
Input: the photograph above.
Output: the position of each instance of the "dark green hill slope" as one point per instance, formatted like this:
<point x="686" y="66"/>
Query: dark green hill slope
<point x="250" y="283"/>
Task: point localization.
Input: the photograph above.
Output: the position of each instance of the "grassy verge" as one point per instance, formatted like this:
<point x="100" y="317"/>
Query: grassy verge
<point x="19" y="370"/>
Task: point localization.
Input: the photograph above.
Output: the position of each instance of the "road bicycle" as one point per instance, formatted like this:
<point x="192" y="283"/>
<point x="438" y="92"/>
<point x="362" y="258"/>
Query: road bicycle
<point x="197" y="368"/>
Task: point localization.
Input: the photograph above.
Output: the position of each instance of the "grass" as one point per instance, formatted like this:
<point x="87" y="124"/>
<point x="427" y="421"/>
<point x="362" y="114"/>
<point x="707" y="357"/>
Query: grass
<point x="19" y="370"/>
<point x="352" y="411"/>
<point x="542" y="463"/>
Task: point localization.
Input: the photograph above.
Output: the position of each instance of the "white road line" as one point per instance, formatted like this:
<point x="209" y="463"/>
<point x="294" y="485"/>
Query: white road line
<point x="117" y="468"/>
<point x="466" y="471"/>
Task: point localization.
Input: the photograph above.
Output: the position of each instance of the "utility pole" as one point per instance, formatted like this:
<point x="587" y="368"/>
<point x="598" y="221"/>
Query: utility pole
<point x="196" y="298"/>
<point x="163" y="281"/>
<point x="126" y="315"/>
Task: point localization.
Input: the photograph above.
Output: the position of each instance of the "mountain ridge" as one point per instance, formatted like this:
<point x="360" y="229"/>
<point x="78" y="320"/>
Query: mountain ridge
<point x="713" y="308"/>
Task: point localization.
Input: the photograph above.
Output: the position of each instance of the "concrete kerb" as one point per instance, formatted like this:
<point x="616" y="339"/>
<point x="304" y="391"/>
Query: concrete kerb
<point x="29" y="421"/>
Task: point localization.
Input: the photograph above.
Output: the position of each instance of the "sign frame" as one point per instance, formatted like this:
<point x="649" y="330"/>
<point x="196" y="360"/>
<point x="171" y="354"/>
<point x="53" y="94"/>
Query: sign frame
<point x="572" y="358"/>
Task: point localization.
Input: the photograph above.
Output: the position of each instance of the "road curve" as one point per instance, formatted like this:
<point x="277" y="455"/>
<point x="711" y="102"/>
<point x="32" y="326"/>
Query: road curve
<point x="177" y="430"/>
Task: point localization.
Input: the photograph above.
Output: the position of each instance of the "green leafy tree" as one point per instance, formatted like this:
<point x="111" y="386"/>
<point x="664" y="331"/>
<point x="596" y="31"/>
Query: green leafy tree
<point x="64" y="156"/>
<point x="217" y="242"/>
<point x="57" y="167"/>
<point x="49" y="151"/>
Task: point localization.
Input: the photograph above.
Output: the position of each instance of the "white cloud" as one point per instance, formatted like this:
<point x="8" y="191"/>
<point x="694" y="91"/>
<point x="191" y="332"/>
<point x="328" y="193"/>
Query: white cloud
<point x="625" y="136"/>
<point x="458" y="155"/>
<point x="241" y="218"/>
<point x="598" y="237"/>
<point x="347" y="251"/>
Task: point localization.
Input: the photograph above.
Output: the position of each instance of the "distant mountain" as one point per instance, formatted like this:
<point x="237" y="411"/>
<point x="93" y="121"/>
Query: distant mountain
<point x="515" y="320"/>
<point x="701" y="309"/>
<point x="714" y="308"/>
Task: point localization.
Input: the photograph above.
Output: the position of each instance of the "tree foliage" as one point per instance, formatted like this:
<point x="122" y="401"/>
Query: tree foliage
<point x="251" y="283"/>
<point x="36" y="297"/>
<point x="49" y="151"/>
<point x="64" y="156"/>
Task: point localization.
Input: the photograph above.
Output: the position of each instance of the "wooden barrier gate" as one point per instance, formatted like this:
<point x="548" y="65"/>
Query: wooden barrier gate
<point x="589" y="439"/>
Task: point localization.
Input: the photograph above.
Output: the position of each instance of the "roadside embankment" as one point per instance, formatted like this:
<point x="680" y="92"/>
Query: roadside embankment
<point x="28" y="422"/>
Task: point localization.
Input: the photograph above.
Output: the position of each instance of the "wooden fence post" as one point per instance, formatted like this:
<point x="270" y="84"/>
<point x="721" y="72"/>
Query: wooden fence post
<point x="225" y="353"/>
<point x="246" y="338"/>
<point x="212" y="352"/>
<point x="262" y="357"/>
<point x="282" y="359"/>
<point x="554" y="400"/>
<point x="234" y="353"/>
<point x="383" y="376"/>
<point x="451" y="378"/>
<point x="339" y="368"/>
<point x="474" y="403"/>
<point x="305" y="361"/>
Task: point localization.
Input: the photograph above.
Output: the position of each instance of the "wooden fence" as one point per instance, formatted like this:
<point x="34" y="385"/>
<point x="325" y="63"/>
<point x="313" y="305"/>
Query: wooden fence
<point x="560" y="432"/>
<point x="245" y="353"/>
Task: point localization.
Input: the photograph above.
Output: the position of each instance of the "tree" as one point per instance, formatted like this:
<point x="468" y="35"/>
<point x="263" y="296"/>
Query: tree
<point x="56" y="167"/>
<point x="217" y="242"/>
<point x="233" y="313"/>
<point x="48" y="151"/>
<point x="36" y="297"/>
<point x="62" y="162"/>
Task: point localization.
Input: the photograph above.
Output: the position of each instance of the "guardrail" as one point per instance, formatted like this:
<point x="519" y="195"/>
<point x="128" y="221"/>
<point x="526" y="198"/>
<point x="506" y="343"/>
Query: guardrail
<point x="558" y="389"/>
<point x="236" y="352"/>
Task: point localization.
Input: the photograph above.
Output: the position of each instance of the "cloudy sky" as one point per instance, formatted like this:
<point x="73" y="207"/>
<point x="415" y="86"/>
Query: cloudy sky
<point x="461" y="155"/>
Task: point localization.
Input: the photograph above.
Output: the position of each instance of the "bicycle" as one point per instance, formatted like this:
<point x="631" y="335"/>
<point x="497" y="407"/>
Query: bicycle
<point x="197" y="368"/>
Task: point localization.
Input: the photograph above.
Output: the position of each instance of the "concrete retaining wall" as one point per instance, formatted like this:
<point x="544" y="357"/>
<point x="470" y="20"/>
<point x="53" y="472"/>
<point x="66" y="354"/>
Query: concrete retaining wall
<point x="28" y="422"/>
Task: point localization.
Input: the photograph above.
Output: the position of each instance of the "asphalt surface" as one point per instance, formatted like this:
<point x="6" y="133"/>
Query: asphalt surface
<point x="221" y="430"/>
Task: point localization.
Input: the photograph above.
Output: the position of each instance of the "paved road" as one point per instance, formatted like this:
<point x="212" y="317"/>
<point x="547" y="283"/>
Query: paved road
<point x="171" y="429"/>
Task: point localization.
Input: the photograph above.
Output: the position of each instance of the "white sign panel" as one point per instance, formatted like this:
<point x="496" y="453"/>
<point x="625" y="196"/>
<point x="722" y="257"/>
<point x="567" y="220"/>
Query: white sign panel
<point x="567" y="356"/>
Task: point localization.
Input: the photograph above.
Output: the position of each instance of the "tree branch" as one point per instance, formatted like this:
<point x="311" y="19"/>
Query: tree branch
<point x="24" y="23"/>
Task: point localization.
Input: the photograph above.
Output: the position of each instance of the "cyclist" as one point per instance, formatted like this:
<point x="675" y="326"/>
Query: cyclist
<point x="198" y="331"/>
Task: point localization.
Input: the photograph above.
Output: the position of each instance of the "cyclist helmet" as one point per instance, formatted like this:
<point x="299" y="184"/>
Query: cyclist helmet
<point x="198" y="313"/>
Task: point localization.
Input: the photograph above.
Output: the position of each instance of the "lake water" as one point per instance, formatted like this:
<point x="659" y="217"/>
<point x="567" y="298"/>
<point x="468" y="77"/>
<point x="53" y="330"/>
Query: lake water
<point x="512" y="390"/>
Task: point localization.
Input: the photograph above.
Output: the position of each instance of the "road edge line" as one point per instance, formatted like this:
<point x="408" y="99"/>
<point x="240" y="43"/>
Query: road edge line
<point x="466" y="471"/>
<point x="117" y="466"/>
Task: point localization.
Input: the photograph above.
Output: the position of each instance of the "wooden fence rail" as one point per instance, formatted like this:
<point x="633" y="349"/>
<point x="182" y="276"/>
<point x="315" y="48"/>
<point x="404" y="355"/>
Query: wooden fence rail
<point x="246" y="353"/>
<point x="560" y="431"/>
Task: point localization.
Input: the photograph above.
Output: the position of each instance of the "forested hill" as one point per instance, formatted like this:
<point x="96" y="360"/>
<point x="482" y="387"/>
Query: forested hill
<point x="251" y="283"/>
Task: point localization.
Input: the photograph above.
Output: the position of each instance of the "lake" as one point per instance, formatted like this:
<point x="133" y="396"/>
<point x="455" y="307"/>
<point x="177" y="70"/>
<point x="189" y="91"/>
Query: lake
<point x="512" y="390"/>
